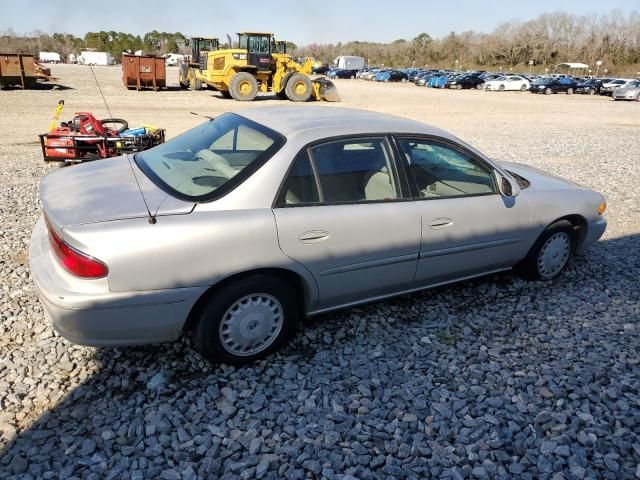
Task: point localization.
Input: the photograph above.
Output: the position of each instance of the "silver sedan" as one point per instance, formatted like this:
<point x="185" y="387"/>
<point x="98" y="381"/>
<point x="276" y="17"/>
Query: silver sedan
<point x="631" y="91"/>
<point x="235" y="230"/>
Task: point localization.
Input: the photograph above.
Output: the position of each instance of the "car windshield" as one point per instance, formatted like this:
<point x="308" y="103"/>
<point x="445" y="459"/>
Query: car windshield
<point x="207" y="161"/>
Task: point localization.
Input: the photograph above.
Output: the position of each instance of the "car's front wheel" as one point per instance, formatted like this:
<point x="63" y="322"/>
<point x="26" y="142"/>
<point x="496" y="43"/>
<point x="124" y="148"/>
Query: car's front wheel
<point x="550" y="254"/>
<point x="246" y="320"/>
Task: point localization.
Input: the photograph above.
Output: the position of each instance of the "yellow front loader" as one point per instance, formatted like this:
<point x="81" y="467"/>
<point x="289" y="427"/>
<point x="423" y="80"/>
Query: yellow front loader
<point x="260" y="65"/>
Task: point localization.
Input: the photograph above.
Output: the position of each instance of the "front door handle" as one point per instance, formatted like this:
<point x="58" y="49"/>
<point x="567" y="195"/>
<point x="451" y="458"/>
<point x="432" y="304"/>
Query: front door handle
<point x="314" y="236"/>
<point x="441" y="222"/>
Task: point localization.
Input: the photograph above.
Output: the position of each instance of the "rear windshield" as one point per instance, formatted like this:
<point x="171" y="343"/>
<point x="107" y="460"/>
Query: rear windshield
<point x="209" y="160"/>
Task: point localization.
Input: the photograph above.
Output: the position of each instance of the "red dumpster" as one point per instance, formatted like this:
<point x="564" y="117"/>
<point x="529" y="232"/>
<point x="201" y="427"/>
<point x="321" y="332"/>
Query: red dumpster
<point x="143" y="71"/>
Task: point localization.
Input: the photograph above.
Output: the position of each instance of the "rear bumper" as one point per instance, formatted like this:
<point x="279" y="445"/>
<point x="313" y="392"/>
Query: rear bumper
<point x="595" y="230"/>
<point x="103" y="318"/>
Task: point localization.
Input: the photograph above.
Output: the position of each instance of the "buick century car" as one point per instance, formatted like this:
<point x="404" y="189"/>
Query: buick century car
<point x="233" y="231"/>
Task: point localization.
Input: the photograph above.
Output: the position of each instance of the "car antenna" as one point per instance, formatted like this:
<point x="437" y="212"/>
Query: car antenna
<point x="100" y="90"/>
<point x="202" y="115"/>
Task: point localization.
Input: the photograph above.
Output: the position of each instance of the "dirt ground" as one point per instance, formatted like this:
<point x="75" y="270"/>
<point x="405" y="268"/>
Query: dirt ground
<point x="575" y="136"/>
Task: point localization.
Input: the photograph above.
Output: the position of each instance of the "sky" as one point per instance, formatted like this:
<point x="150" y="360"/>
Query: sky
<point x="298" y="21"/>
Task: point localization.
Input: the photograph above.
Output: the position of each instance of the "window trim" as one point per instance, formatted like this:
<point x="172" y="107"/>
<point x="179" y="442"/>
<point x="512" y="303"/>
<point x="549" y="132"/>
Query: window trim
<point x="414" y="192"/>
<point x="398" y="173"/>
<point x="278" y="142"/>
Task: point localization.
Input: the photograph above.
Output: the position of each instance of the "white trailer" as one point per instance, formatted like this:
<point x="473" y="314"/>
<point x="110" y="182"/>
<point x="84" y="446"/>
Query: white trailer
<point x="348" y="62"/>
<point x="174" y="59"/>
<point x="96" y="58"/>
<point x="49" y="57"/>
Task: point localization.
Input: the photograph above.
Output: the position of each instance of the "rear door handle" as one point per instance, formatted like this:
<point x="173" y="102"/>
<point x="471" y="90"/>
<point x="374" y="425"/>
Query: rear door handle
<point x="441" y="222"/>
<point x="314" y="236"/>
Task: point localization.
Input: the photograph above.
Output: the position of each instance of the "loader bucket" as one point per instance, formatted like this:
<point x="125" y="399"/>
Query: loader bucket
<point x="324" y="89"/>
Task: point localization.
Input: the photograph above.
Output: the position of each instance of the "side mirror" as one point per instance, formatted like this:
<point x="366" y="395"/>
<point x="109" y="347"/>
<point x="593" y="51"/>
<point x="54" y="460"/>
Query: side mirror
<point x="507" y="186"/>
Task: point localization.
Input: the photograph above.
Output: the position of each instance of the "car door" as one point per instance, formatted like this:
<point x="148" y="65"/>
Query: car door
<point x="468" y="227"/>
<point x="340" y="213"/>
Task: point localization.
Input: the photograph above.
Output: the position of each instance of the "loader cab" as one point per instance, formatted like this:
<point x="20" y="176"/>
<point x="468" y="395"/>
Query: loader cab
<point x="258" y="47"/>
<point x="200" y="48"/>
<point x="280" y="47"/>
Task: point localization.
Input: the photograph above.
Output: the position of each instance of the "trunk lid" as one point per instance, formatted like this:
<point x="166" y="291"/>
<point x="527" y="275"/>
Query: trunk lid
<point x="102" y="191"/>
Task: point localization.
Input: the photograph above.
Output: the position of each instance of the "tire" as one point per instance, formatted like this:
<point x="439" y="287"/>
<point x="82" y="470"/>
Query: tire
<point x="182" y="77"/>
<point x="480" y="86"/>
<point x="243" y="87"/>
<point x="501" y="88"/>
<point x="124" y="125"/>
<point x="459" y="87"/>
<point x="523" y="88"/>
<point x="550" y="254"/>
<point x="547" y="91"/>
<point x="570" y="91"/>
<point x="591" y="91"/>
<point x="282" y="94"/>
<point x="638" y="98"/>
<point x="195" y="84"/>
<point x="298" y="88"/>
<point x="352" y="77"/>
<point x="260" y="296"/>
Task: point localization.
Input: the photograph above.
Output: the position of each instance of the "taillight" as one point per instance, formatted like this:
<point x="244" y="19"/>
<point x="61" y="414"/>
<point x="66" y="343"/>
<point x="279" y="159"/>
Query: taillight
<point x="75" y="262"/>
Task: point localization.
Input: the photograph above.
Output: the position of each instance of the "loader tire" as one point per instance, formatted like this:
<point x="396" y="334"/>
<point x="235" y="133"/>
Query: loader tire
<point x="195" y="84"/>
<point x="243" y="87"/>
<point x="299" y="88"/>
<point x="282" y="94"/>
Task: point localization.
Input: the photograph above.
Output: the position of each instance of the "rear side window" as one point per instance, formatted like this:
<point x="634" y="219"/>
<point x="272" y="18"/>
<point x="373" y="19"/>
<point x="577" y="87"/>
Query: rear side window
<point x="342" y="171"/>
<point x="300" y="187"/>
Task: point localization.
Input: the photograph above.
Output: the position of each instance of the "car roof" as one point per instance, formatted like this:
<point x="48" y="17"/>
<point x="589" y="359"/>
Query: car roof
<point x="324" y="121"/>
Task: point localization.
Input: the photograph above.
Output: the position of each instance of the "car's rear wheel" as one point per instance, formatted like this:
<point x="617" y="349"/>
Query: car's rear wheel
<point x="570" y="91"/>
<point x="246" y="320"/>
<point x="547" y="91"/>
<point x="501" y="88"/>
<point x="550" y="254"/>
<point x="523" y="88"/>
<point x="591" y="91"/>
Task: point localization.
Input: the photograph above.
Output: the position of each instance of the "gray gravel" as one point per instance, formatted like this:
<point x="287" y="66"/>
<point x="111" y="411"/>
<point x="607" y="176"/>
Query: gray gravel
<point x="494" y="378"/>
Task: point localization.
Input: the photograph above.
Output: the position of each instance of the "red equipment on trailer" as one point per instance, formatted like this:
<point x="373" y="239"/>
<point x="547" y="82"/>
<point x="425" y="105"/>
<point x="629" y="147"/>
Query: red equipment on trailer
<point x="86" y="138"/>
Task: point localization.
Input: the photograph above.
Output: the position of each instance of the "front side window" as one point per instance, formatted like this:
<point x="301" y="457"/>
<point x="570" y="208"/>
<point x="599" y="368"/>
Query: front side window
<point x="210" y="159"/>
<point x="342" y="171"/>
<point x="441" y="171"/>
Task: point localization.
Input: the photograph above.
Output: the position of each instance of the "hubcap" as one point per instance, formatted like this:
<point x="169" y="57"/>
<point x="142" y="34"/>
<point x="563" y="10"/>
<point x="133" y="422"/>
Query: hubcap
<point x="554" y="254"/>
<point x="251" y="324"/>
<point x="300" y="88"/>
<point x="245" y="88"/>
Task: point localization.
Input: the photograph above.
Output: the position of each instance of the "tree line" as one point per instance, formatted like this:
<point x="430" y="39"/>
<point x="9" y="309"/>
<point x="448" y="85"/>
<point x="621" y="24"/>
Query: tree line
<point x="113" y="42"/>
<point x="549" y="39"/>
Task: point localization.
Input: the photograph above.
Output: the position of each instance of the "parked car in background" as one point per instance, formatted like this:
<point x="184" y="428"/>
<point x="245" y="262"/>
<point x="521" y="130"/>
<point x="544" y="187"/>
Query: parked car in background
<point x="439" y="81"/>
<point x="508" y="83"/>
<point x="471" y="80"/>
<point x="591" y="86"/>
<point x="341" y="73"/>
<point x="549" y="85"/>
<point x="234" y="230"/>
<point x="631" y="91"/>
<point x="320" y="70"/>
<point x="608" y="87"/>
<point x="391" y="76"/>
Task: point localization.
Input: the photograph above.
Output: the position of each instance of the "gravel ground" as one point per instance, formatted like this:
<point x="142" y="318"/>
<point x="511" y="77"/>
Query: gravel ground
<point x="494" y="378"/>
